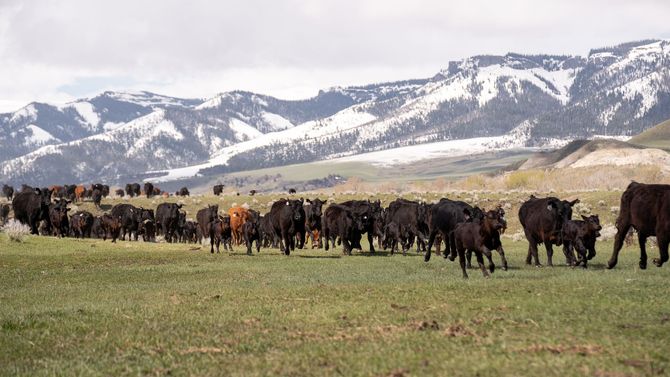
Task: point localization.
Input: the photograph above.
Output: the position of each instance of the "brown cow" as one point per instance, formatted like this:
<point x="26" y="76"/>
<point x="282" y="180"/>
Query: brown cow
<point x="238" y="216"/>
<point x="646" y="208"/>
<point x="79" y="193"/>
<point x="475" y="236"/>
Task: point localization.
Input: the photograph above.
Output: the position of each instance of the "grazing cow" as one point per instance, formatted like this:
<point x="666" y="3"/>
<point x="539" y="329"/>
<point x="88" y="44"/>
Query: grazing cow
<point x="217" y="189"/>
<point x="238" y="216"/>
<point x="119" y="192"/>
<point x="542" y="220"/>
<point x="252" y="192"/>
<point x="444" y="217"/>
<point x="105" y="191"/>
<point x="32" y="206"/>
<point x="291" y="191"/>
<point x="96" y="195"/>
<point x="8" y="192"/>
<point x="475" y="236"/>
<point x="645" y="208"/>
<point x="204" y="217"/>
<point x="60" y="225"/>
<point x="81" y="224"/>
<point x="219" y="231"/>
<point x="581" y="235"/>
<point x="131" y="217"/>
<point x="313" y="213"/>
<point x="342" y="222"/>
<point x="371" y="211"/>
<point x="79" y="193"/>
<point x="394" y="234"/>
<point x="111" y="226"/>
<point x="183" y="192"/>
<point x="4" y="213"/>
<point x="167" y="220"/>
<point x="288" y="220"/>
<point x="148" y="189"/>
<point x="251" y="232"/>
<point x="147" y="229"/>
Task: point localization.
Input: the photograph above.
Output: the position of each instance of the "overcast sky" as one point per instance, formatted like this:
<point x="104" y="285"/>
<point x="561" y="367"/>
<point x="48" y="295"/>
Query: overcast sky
<point x="57" y="51"/>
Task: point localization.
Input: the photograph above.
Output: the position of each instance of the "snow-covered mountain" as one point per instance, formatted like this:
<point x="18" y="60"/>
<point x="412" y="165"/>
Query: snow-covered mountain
<point x="514" y="99"/>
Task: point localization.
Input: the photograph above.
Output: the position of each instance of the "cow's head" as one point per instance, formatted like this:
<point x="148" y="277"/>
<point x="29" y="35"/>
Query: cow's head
<point x="593" y="224"/>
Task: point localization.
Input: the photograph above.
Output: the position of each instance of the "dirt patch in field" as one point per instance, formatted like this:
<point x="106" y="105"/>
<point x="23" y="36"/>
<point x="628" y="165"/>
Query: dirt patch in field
<point x="579" y="349"/>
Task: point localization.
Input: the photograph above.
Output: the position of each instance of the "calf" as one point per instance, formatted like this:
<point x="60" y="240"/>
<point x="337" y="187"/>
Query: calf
<point x="147" y="229"/>
<point x="110" y="226"/>
<point x="79" y="193"/>
<point x="204" y="217"/>
<point x="183" y="192"/>
<point x="394" y="235"/>
<point x="119" y="193"/>
<point x="219" y="231"/>
<point x="217" y="189"/>
<point x="581" y="235"/>
<point x="133" y="189"/>
<point x="475" y="236"/>
<point x="313" y="214"/>
<point x="645" y="208"/>
<point x="81" y="223"/>
<point x="251" y="232"/>
<point x="542" y="221"/>
<point x="495" y="242"/>
<point x="149" y="189"/>
<point x="238" y="216"/>
<point x="96" y="195"/>
<point x="372" y="211"/>
<point x="60" y="224"/>
<point x="189" y="232"/>
<point x="341" y="222"/>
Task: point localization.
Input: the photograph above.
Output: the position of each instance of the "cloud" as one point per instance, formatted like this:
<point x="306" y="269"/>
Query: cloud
<point x="57" y="50"/>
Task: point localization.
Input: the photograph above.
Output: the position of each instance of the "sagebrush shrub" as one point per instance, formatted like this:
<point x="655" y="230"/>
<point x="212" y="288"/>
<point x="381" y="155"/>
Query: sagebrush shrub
<point x="15" y="230"/>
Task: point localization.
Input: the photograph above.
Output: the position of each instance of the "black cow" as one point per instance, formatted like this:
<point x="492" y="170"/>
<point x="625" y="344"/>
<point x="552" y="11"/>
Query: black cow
<point x="131" y="217"/>
<point x="4" y="213"/>
<point x="581" y="235"/>
<point x="220" y="231"/>
<point x="411" y="215"/>
<point x="96" y="195"/>
<point x="27" y="188"/>
<point x="105" y="191"/>
<point x="252" y="192"/>
<point x="444" y="217"/>
<point x="167" y="218"/>
<point x="291" y="191"/>
<point x="148" y="189"/>
<point x="183" y="192"/>
<point x="474" y="236"/>
<point x="8" y="192"/>
<point x="119" y="192"/>
<point x="542" y="220"/>
<point x="494" y="243"/>
<point x="313" y="213"/>
<point x="251" y="231"/>
<point x="189" y="232"/>
<point x="268" y="235"/>
<point x="133" y="189"/>
<point x="31" y="207"/>
<point x="342" y="222"/>
<point x="60" y="224"/>
<point x="371" y="211"/>
<point x="288" y="220"/>
<point x="217" y="189"/>
<point x="204" y="217"/>
<point x="395" y="234"/>
<point x="70" y="192"/>
<point x="111" y="226"/>
<point x="147" y="229"/>
<point x="81" y="224"/>
<point x="645" y="208"/>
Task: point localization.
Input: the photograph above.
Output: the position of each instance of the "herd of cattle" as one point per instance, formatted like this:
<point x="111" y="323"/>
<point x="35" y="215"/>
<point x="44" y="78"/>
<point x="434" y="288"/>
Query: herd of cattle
<point x="290" y="223"/>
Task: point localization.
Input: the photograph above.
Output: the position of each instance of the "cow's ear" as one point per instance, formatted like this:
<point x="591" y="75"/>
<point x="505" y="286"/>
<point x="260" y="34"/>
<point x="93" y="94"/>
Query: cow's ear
<point x="467" y="214"/>
<point x="572" y="203"/>
<point x="308" y="201"/>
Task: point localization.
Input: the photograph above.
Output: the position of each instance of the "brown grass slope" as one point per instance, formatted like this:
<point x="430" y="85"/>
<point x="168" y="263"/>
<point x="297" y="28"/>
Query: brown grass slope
<point x="655" y="137"/>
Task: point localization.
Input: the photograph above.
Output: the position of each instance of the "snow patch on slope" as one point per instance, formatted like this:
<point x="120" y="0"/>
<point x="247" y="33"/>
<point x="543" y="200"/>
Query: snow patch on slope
<point x="242" y="130"/>
<point x="38" y="136"/>
<point x="88" y="114"/>
<point x="277" y="122"/>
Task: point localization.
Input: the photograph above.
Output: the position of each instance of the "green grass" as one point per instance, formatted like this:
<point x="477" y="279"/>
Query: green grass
<point x="87" y="307"/>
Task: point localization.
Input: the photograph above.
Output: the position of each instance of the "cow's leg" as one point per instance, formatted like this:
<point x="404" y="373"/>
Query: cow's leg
<point x="286" y="239"/>
<point x="622" y="231"/>
<point x="489" y="256"/>
<point x="452" y="246"/>
<point x="371" y="241"/>
<point x="502" y="257"/>
<point x="480" y="261"/>
<point x="211" y="244"/>
<point x="550" y="253"/>
<point x="642" y="239"/>
<point x="532" y="252"/>
<point x="431" y="240"/>
<point x="468" y="258"/>
<point x="663" y="241"/>
<point x="258" y="245"/>
<point x="346" y="246"/>
<point x="461" y="260"/>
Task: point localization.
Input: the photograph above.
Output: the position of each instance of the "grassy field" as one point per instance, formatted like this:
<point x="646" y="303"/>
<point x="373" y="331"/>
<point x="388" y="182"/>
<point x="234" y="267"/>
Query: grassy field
<point x="87" y="307"/>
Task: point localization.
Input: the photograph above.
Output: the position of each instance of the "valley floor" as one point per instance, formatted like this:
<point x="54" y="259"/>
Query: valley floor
<point x="87" y="307"/>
